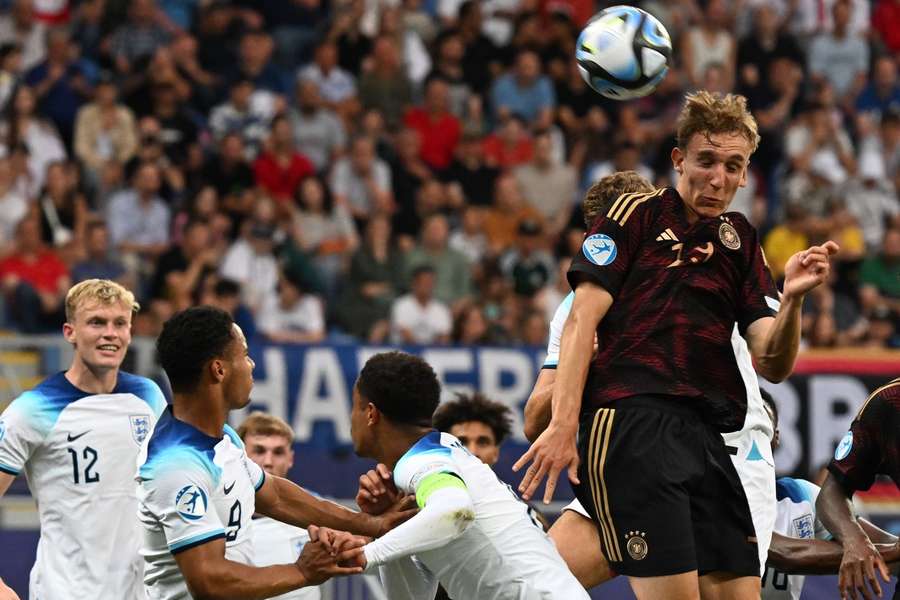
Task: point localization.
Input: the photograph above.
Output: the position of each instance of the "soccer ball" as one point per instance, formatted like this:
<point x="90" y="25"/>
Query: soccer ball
<point x="623" y="52"/>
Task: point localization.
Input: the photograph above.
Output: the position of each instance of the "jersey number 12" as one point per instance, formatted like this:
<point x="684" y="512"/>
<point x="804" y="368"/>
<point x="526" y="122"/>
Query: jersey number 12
<point x="89" y="455"/>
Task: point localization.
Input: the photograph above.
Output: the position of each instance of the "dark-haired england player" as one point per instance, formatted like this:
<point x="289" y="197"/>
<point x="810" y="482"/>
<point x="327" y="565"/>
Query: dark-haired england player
<point x="472" y="534"/>
<point x="661" y="280"/>
<point x="198" y="489"/>
<point x="870" y="448"/>
<point x="479" y="423"/>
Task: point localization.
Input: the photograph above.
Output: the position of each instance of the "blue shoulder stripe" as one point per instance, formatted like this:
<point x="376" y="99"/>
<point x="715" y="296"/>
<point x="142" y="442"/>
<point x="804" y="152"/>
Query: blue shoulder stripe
<point x="176" y="444"/>
<point x="235" y="438"/>
<point x="787" y="487"/>
<point x="44" y="403"/>
<point x="145" y="389"/>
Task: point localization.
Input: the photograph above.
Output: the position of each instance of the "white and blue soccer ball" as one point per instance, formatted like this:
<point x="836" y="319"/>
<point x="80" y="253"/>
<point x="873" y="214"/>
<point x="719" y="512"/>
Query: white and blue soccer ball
<point x="623" y="53"/>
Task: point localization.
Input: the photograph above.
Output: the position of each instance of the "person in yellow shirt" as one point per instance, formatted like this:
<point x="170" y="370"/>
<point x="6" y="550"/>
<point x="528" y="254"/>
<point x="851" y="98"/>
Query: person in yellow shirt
<point x="786" y="239"/>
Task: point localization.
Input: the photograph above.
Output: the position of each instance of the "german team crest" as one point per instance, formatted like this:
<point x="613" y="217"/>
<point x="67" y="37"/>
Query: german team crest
<point x="728" y="235"/>
<point x="140" y="428"/>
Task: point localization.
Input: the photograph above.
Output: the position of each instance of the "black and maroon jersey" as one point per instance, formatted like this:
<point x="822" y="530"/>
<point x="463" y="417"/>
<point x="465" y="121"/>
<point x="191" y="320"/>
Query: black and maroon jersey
<point x="872" y="446"/>
<point x="678" y="290"/>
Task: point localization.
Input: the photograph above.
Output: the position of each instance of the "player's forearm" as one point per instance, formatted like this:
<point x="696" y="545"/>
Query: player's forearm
<point x="814" y="557"/>
<point x="775" y="359"/>
<point x="835" y="510"/>
<point x="537" y="409"/>
<point x="575" y="353"/>
<point x="230" y="580"/>
<point x="294" y="505"/>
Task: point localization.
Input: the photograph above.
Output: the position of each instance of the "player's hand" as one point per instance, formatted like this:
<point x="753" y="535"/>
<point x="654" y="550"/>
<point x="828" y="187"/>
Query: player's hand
<point x="377" y="491"/>
<point x="553" y="451"/>
<point x="336" y="541"/>
<point x="6" y="592"/>
<point x="403" y="509"/>
<point x="808" y="269"/>
<point x="858" y="570"/>
<point x="317" y="564"/>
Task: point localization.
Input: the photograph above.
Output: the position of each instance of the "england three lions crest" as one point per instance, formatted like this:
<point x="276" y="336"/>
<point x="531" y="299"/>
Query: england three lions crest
<point x="140" y="427"/>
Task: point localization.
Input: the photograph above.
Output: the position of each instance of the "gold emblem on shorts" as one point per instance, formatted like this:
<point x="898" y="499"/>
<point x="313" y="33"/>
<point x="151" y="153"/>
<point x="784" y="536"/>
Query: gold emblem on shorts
<point x="636" y="545"/>
<point x="728" y="235"/>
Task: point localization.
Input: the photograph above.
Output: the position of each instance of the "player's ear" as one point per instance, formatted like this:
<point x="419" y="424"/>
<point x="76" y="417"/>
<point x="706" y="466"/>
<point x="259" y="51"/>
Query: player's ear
<point x="69" y="332"/>
<point x="373" y="415"/>
<point x="678" y="160"/>
<point x="217" y="370"/>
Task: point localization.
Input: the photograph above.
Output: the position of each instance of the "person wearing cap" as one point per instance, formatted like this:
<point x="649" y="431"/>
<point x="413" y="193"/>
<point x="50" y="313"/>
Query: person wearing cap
<point x="250" y="261"/>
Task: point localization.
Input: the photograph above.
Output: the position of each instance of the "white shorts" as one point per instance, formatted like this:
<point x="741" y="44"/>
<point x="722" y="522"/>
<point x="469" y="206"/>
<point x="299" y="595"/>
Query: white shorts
<point x="756" y="468"/>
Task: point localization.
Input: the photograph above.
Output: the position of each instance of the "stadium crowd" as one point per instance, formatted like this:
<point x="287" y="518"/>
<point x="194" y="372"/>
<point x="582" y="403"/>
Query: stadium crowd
<point x="411" y="171"/>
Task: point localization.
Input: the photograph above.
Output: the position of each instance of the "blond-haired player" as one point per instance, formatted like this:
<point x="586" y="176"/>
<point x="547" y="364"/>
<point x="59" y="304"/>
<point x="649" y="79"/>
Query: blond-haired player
<point x="76" y="436"/>
<point x="267" y="440"/>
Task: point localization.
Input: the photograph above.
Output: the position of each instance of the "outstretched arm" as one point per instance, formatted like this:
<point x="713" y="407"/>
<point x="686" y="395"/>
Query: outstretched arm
<point x="820" y="557"/>
<point x="537" y="409"/>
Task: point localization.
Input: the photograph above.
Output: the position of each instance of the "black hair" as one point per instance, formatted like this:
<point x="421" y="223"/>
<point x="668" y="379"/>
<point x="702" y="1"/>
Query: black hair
<point x="402" y="386"/>
<point x="421" y="270"/>
<point x="327" y="197"/>
<point x="770" y="402"/>
<point x="189" y="340"/>
<point x="227" y="288"/>
<point x="475" y="407"/>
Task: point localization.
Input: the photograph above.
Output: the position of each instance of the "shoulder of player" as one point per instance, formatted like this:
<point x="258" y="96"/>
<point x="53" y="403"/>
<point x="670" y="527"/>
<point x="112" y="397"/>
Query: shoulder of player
<point x="44" y="402"/>
<point x="430" y="452"/>
<point x="626" y="206"/>
<point x="882" y="402"/>
<point x="176" y="446"/>
<point x="142" y="387"/>
<point x="797" y="490"/>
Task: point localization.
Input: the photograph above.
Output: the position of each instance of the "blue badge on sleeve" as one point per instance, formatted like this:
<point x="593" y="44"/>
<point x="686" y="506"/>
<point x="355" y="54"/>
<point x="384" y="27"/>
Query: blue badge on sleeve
<point x="191" y="502"/>
<point x="844" y="447"/>
<point x="600" y="249"/>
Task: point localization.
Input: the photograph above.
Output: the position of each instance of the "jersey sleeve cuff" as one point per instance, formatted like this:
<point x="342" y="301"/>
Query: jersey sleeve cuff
<point x="846" y="482"/>
<point x="579" y="272"/>
<point x="762" y="313"/>
<point x="551" y="366"/>
<point x="261" y="481"/>
<point x="196" y="540"/>
<point x="5" y="468"/>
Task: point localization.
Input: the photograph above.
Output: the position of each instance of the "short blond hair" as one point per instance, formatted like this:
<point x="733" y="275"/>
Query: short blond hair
<point x="606" y="191"/>
<point x="102" y="291"/>
<point x="707" y="113"/>
<point x="260" y="423"/>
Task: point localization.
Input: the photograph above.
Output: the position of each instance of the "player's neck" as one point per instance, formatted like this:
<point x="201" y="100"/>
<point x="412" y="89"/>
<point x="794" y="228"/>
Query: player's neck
<point x="95" y="381"/>
<point x="397" y="442"/>
<point x="202" y="412"/>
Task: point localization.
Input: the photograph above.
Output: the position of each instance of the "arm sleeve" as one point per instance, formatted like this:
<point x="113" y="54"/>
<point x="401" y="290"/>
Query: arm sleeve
<point x="858" y="455"/>
<point x="759" y="295"/>
<point x="20" y="433"/>
<point x="556" y="329"/>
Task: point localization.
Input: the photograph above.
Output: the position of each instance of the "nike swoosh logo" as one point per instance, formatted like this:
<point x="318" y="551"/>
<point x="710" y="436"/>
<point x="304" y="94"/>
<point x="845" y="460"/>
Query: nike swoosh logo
<point x="72" y="438"/>
<point x="228" y="488"/>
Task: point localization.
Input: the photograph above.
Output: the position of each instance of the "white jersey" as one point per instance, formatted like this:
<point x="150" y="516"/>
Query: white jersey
<point x="192" y="488"/>
<point x="78" y="452"/>
<point x="503" y="555"/>
<point x="277" y="543"/>
<point x="751" y="446"/>
<point x="796" y="518"/>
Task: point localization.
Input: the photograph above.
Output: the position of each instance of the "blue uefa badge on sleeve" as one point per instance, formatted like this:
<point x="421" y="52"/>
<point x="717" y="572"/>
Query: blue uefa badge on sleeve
<point x="191" y="502"/>
<point x="843" y="449"/>
<point x="600" y="249"/>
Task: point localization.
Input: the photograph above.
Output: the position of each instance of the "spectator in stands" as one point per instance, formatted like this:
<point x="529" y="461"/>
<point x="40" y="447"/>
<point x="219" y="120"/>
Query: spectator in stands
<point x="501" y="222"/>
<point x="138" y="38"/>
<point x="417" y="317"/>
<point x="880" y="276"/>
<point x="469" y="171"/>
<point x="385" y="86"/>
<point x="871" y="199"/>
<point x="362" y="181"/>
<point x="60" y="83"/>
<point x="710" y="42"/>
<point x="63" y="211"/>
<point x="416" y="58"/>
<point x="882" y="93"/>
<point x="255" y="63"/>
<point x="105" y="131"/>
<point x="98" y="263"/>
<point x="178" y="132"/>
<point x="408" y="174"/>
<point x="10" y="72"/>
<point x="449" y="67"/>
<point x="527" y="264"/>
<point x="232" y="177"/>
<point x="88" y="28"/>
<point x="290" y="315"/>
<point x="786" y="239"/>
<point x="323" y="230"/>
<point x="509" y="145"/>
<point x="34" y="281"/>
<point x="886" y="22"/>
<point x="533" y="330"/>
<point x="819" y="149"/>
<point x="841" y="57"/>
<point x="453" y="279"/>
<point x="469" y="238"/>
<point x="548" y="186"/>
<point x="251" y="263"/>
<point x="280" y="167"/>
<point x="337" y="88"/>
<point x="524" y="91"/>
<point x="24" y="126"/>
<point x="481" y="58"/>
<point x="13" y="206"/>
<point x="831" y="318"/>
<point x="372" y="279"/>
<point x="139" y="219"/>
<point x="471" y="327"/>
<point x="626" y="156"/>
<point x="317" y="129"/>
<point x="225" y="293"/>
<point x="808" y="17"/>
<point x="438" y="128"/>
<point x="180" y="270"/>
<point x="764" y="44"/>
<point x="247" y="113"/>
<point x="19" y="27"/>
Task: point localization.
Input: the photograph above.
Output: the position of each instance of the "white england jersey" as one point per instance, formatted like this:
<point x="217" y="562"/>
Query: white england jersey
<point x="796" y="517"/>
<point x="192" y="488"/>
<point x="277" y="543"/>
<point x="78" y="452"/>
<point x="503" y="555"/>
<point x="752" y="451"/>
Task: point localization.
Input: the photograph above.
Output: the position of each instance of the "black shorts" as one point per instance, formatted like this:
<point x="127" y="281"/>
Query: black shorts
<point x="661" y="486"/>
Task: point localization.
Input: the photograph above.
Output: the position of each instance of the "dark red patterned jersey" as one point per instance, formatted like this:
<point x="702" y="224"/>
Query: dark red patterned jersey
<point x="872" y="446"/>
<point x="678" y="290"/>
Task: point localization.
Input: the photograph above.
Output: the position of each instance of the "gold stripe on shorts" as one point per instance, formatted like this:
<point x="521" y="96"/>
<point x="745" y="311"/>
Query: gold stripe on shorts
<point x="599" y="443"/>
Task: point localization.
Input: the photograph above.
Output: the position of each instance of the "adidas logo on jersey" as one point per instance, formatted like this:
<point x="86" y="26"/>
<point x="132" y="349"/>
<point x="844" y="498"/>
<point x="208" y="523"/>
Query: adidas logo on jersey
<point x="667" y="236"/>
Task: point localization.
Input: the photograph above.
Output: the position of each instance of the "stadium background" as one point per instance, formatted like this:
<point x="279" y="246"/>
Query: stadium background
<point x="298" y="162"/>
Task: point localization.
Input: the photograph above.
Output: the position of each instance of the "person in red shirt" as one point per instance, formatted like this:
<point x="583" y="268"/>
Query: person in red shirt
<point x="509" y="146"/>
<point x="34" y="281"/>
<point x="438" y="129"/>
<point x="886" y="21"/>
<point x="280" y="168"/>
